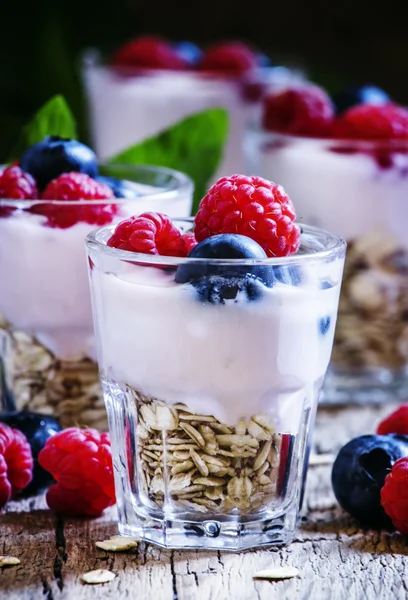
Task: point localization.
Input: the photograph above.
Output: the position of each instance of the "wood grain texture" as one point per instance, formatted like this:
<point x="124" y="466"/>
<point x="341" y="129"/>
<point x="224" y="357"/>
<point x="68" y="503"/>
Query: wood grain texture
<point x="337" y="559"/>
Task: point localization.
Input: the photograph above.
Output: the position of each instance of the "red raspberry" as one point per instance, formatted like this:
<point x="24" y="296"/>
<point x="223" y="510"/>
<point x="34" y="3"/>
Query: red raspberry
<point x="73" y="187"/>
<point x="251" y="206"/>
<point x="372" y="122"/>
<point x="148" y="233"/>
<point x="16" y="184"/>
<point x="16" y="463"/>
<point x="303" y="110"/>
<point x="189" y="242"/>
<point x="396" y="422"/>
<point x="230" y="58"/>
<point x="394" y="495"/>
<point x="80" y="461"/>
<point x="149" y="53"/>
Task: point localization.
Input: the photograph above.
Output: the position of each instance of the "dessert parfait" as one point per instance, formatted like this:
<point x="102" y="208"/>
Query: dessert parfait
<point x="49" y="202"/>
<point x="346" y="167"/>
<point x="149" y="84"/>
<point x="212" y="363"/>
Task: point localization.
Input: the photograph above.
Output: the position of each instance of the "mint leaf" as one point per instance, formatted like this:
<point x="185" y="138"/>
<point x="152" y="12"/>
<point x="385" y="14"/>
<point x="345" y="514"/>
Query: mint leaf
<point x="54" y="118"/>
<point x="194" y="146"/>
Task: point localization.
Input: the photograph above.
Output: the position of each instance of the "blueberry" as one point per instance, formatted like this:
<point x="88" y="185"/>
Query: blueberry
<point x="37" y="428"/>
<point x="324" y="325"/>
<point x="263" y="60"/>
<point x="54" y="155"/>
<point x="218" y="290"/>
<point x="359" y="472"/>
<point x="188" y="51"/>
<point x="227" y="246"/>
<point x="368" y="94"/>
<point x="120" y="187"/>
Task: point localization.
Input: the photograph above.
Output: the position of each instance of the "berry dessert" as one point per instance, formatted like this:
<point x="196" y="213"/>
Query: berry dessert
<point x="48" y="204"/>
<point x="213" y="340"/>
<point x="150" y="84"/>
<point x="346" y="166"/>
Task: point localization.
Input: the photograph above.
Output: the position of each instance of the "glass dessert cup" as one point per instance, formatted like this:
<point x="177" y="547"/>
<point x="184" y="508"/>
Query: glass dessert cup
<point x="45" y="306"/>
<point x="359" y="190"/>
<point x="211" y="387"/>
<point x="127" y="106"/>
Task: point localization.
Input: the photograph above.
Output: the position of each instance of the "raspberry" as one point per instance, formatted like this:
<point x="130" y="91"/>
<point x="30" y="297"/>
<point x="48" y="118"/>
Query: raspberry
<point x="16" y="184"/>
<point x="73" y="187"/>
<point x="149" y="53"/>
<point x="16" y="463"/>
<point x="80" y="461"/>
<point x="396" y="422"/>
<point x="372" y="122"/>
<point x="303" y="110"/>
<point x="251" y="206"/>
<point x="230" y="58"/>
<point x="189" y="242"/>
<point x="394" y="495"/>
<point x="148" y="233"/>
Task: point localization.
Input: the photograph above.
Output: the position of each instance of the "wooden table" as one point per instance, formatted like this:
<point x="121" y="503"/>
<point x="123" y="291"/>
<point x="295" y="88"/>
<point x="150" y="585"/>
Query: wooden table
<point x="336" y="558"/>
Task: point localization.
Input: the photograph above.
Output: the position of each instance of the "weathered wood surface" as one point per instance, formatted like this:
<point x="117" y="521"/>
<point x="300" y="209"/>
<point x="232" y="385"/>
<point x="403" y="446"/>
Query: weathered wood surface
<point x="337" y="559"/>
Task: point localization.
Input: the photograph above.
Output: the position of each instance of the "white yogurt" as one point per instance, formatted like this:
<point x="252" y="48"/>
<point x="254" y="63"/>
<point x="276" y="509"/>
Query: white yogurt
<point x="348" y="194"/>
<point x="230" y="361"/>
<point x="126" y="110"/>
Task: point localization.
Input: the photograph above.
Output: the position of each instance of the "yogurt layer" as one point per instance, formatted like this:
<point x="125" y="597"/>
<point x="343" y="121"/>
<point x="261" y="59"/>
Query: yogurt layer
<point x="231" y="361"/>
<point x="349" y="194"/>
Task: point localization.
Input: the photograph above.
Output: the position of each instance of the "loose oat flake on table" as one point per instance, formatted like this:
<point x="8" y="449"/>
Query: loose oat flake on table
<point x="118" y="543"/>
<point x="98" y="576"/>
<point x="277" y="573"/>
<point x="9" y="561"/>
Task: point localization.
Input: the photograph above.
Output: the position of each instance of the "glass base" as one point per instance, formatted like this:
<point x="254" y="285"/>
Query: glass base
<point x="212" y="534"/>
<point x="371" y="386"/>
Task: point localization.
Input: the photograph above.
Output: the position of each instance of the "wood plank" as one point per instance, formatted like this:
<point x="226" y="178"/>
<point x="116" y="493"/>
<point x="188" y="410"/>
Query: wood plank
<point x="337" y="560"/>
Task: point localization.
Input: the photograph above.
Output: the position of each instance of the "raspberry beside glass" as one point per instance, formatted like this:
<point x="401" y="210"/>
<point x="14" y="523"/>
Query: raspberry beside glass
<point x="211" y="368"/>
<point x="354" y="181"/>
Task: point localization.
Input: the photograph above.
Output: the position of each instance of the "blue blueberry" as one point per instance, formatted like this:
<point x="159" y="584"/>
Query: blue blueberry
<point x="368" y="94"/>
<point x="326" y="285"/>
<point x="37" y="428"/>
<point x="219" y="290"/>
<point x="120" y="187"/>
<point x="190" y="52"/>
<point x="359" y="472"/>
<point x="324" y="325"/>
<point x="263" y="60"/>
<point x="47" y="159"/>
<point x="227" y="246"/>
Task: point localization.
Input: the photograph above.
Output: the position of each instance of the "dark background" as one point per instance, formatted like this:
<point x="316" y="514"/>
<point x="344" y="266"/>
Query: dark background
<point x="340" y="42"/>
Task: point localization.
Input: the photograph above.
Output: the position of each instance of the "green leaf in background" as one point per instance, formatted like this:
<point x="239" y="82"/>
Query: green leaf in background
<point x="54" y="118"/>
<point x="194" y="146"/>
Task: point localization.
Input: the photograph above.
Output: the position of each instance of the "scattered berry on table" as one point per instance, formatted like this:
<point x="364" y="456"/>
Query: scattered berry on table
<point x="80" y="461"/>
<point x="394" y="495"/>
<point x="302" y="110"/>
<point x="372" y="122"/>
<point x="396" y="422"/>
<point x="250" y="206"/>
<point x="71" y="187"/>
<point x="359" y="473"/>
<point x="229" y="58"/>
<point x="16" y="463"/>
<point x="54" y="155"/>
<point x="367" y="94"/>
<point x="148" y="233"/>
<point x="38" y="429"/>
<point x="149" y="52"/>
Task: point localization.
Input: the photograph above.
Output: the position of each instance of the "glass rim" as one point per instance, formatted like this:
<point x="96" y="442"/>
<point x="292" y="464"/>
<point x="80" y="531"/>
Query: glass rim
<point x="91" y="58"/>
<point x="183" y="184"/>
<point x="335" y="246"/>
<point x="361" y="144"/>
